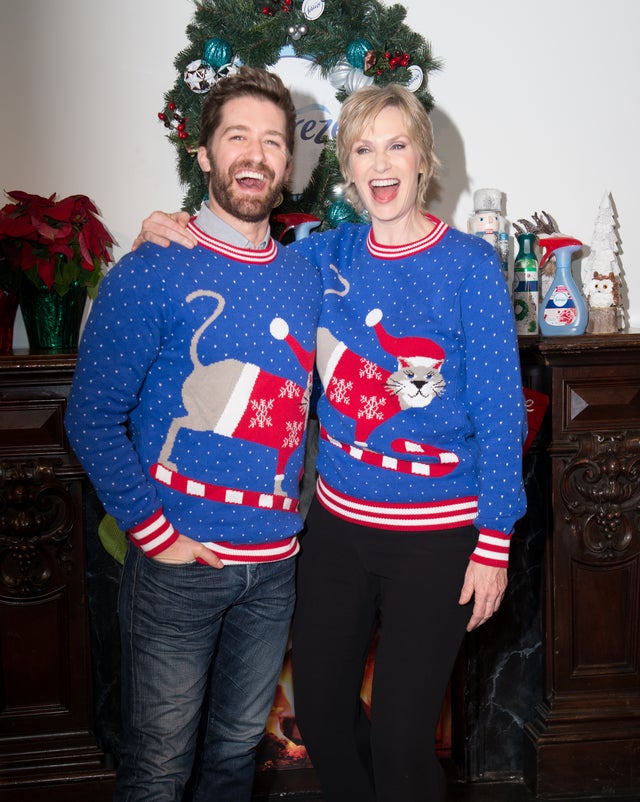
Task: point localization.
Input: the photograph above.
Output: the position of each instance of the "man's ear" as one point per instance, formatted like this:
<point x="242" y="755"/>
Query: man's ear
<point x="288" y="169"/>
<point x="203" y="160"/>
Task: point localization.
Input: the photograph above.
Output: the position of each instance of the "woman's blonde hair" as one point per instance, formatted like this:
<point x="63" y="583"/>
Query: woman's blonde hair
<point x="359" y="111"/>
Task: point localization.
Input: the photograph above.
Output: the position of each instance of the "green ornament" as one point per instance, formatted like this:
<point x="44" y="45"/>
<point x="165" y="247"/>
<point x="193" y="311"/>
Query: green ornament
<point x="340" y="212"/>
<point x="216" y="53"/>
<point x="357" y="51"/>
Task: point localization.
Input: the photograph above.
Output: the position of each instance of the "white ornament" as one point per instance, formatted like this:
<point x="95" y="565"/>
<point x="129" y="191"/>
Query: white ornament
<point x="199" y="77"/>
<point x="312" y="9"/>
<point x="226" y="70"/>
<point x="417" y="77"/>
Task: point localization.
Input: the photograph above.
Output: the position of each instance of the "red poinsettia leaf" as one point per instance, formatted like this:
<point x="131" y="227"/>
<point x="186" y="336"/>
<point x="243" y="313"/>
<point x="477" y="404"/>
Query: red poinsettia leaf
<point x="87" y="261"/>
<point x="46" y="271"/>
<point x="47" y="231"/>
<point x="63" y="210"/>
<point x="29" y="197"/>
<point x="17" y="227"/>
<point x="84" y="203"/>
<point x="64" y="231"/>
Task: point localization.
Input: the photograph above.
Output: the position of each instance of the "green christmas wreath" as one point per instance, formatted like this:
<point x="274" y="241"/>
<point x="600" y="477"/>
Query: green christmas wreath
<point x="351" y="42"/>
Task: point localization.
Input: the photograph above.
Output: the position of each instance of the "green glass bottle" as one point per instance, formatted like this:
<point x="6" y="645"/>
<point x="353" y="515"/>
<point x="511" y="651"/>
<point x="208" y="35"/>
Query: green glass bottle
<point x="525" y="285"/>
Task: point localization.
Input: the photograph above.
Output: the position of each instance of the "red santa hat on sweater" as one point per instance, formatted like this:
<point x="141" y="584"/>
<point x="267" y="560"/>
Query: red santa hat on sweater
<point x="417" y="350"/>
<point x="279" y="329"/>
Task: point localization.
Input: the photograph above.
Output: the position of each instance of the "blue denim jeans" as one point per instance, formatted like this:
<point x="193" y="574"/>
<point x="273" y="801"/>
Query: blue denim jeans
<point x="192" y="633"/>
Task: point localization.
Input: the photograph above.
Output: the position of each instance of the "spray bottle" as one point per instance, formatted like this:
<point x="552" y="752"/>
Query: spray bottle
<point x="563" y="311"/>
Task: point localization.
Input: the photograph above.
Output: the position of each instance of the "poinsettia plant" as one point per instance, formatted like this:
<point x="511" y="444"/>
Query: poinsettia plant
<point x="54" y="243"/>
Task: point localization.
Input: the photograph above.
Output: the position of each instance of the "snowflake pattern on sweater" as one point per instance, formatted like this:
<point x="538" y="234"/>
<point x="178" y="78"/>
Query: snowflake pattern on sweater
<point x="189" y="404"/>
<point x="421" y="412"/>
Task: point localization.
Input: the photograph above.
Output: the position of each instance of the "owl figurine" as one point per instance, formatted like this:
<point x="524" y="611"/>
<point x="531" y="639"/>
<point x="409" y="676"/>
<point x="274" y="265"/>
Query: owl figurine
<point x="600" y="292"/>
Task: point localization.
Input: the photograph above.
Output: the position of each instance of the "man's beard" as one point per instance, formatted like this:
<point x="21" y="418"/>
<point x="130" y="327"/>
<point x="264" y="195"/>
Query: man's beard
<point x="250" y="209"/>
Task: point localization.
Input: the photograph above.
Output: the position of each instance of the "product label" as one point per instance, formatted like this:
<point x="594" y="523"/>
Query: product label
<point x="560" y="309"/>
<point x="560" y="297"/>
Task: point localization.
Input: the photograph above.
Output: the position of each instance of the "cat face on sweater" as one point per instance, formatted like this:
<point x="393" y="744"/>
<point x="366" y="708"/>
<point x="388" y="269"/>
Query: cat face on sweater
<point x="415" y="384"/>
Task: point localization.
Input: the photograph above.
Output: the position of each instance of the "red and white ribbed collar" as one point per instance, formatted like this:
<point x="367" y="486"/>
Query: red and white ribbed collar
<point x="410" y="248"/>
<point x="248" y="255"/>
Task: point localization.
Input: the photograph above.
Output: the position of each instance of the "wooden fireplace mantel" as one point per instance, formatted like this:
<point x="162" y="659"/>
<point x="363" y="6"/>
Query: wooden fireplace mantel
<point x="585" y="735"/>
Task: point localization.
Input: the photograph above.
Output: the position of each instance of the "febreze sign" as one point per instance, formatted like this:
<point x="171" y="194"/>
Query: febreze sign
<point x="317" y="113"/>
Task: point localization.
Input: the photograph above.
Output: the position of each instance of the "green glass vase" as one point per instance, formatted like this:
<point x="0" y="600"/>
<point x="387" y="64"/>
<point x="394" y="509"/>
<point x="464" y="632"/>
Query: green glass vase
<point x="52" y="321"/>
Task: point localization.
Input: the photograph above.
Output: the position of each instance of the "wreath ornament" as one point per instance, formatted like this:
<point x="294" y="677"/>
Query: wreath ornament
<point x="350" y="43"/>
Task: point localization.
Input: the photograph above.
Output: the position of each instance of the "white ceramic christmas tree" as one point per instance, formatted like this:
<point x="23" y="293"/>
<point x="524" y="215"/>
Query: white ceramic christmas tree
<point x="601" y="279"/>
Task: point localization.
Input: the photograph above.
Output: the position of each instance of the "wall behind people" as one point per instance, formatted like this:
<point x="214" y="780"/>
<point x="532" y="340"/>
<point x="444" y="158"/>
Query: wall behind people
<point x="537" y="100"/>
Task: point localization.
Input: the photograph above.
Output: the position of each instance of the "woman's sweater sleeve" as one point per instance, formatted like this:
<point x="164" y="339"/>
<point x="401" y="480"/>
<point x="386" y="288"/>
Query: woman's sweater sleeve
<point x="495" y="404"/>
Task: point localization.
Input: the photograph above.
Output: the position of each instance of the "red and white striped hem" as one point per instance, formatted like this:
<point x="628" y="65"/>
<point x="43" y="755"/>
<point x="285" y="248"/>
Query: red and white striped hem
<point x="408" y="517"/>
<point x="260" y="553"/>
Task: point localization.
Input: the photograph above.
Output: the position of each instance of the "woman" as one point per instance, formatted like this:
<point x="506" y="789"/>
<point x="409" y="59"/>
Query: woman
<point x="421" y="430"/>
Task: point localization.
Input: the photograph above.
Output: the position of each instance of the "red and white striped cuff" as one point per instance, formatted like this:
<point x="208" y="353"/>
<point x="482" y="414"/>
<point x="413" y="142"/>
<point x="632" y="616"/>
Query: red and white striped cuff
<point x="154" y="535"/>
<point x="492" y="549"/>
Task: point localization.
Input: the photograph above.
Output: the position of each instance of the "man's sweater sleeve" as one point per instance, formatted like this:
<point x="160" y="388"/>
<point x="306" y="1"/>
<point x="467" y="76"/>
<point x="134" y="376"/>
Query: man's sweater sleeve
<point x="121" y="340"/>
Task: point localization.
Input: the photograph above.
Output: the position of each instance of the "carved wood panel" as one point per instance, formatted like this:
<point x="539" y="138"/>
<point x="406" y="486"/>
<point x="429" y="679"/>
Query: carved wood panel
<point x="46" y="737"/>
<point x="585" y="736"/>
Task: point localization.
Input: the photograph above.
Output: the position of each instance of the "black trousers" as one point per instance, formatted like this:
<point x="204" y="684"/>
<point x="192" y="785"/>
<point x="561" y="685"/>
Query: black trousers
<point x="352" y="580"/>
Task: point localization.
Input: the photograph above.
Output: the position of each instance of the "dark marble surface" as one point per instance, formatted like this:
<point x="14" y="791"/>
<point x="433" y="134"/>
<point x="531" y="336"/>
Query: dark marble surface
<point x="504" y="657"/>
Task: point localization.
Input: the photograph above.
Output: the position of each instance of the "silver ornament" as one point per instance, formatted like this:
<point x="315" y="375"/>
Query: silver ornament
<point x="356" y="79"/>
<point x="338" y="74"/>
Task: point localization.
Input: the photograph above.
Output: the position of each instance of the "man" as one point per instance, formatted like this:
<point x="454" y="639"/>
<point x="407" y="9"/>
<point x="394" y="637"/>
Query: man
<point x="188" y="411"/>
